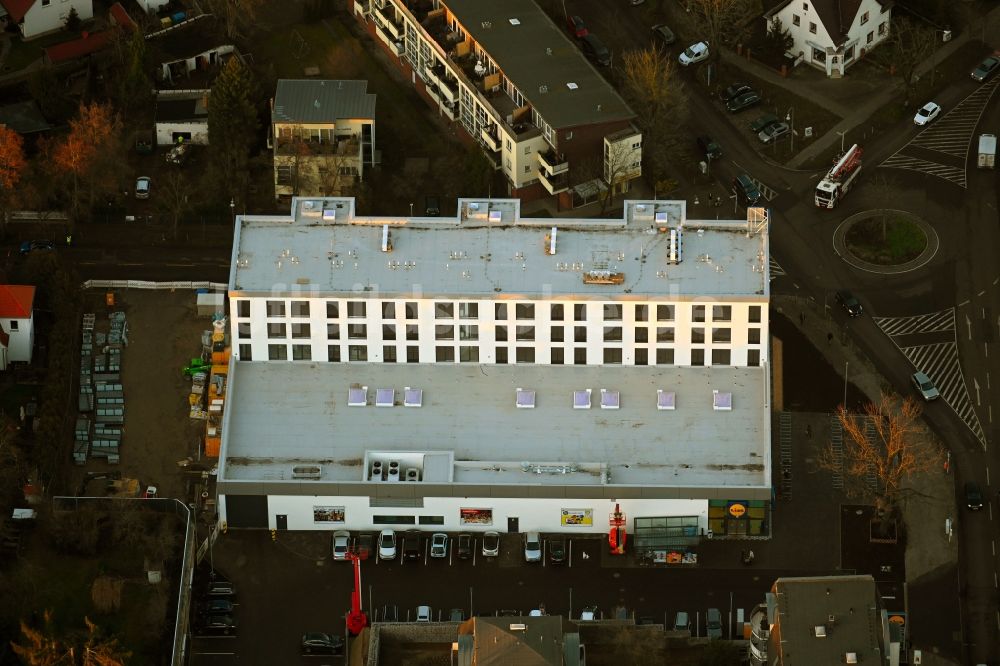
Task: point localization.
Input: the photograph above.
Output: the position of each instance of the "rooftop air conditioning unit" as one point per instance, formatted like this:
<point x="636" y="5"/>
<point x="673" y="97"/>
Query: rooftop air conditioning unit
<point x="307" y="472"/>
<point x="412" y="474"/>
<point x="377" y="470"/>
<point x="393" y="474"/>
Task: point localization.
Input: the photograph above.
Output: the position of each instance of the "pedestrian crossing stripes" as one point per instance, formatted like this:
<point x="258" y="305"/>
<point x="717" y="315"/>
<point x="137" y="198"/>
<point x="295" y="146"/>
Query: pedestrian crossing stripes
<point x="775" y="269"/>
<point x="938" y="360"/>
<point x="785" y="443"/>
<point x="925" y="323"/>
<point x="949" y="173"/>
<point x="837" y="449"/>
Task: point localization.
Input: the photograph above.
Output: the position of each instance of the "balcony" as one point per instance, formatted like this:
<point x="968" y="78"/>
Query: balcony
<point x="434" y="94"/>
<point x="388" y="16"/>
<point x="553" y="164"/>
<point x="554" y="184"/>
<point x="448" y="110"/>
<point x="449" y="88"/>
<point x="490" y="139"/>
<point x="346" y="146"/>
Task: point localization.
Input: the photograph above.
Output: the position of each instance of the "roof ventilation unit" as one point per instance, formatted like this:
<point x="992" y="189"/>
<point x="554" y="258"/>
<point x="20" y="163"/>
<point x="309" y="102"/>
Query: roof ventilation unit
<point x="550" y="242"/>
<point x="525" y="399"/>
<point x="610" y="399"/>
<point x="412" y="474"/>
<point x="413" y="397"/>
<point x="674" y="253"/>
<point x="851" y="658"/>
<point x="666" y="400"/>
<point x="722" y="402"/>
<point x="393" y="474"/>
<point x="307" y="472"/>
<point x="820" y="631"/>
<point x="377" y="471"/>
<point x="386" y="239"/>
<point x="581" y="399"/>
<point x="357" y="396"/>
<point x="385" y="397"/>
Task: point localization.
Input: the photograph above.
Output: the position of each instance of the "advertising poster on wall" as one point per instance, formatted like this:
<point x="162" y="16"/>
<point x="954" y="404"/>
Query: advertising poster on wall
<point x="475" y="516"/>
<point x="328" y="514"/>
<point x="577" y="517"/>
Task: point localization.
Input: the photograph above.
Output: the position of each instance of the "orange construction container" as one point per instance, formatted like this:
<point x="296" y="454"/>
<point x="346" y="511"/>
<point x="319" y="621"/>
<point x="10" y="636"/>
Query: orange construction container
<point x="212" y="446"/>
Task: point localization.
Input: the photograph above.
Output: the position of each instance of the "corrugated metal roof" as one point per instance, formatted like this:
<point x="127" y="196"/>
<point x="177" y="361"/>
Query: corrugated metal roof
<point x="321" y="101"/>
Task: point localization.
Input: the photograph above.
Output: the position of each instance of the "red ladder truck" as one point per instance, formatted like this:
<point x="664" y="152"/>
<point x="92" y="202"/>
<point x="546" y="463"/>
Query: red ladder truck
<point x="356" y="618"/>
<point x="838" y="181"/>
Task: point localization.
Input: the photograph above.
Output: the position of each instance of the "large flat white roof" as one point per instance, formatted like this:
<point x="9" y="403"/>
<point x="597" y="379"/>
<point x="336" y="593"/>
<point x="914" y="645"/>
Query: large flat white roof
<point x="489" y="250"/>
<point x="469" y="428"/>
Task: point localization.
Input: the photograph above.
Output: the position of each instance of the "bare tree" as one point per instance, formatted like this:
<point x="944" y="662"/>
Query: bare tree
<point x="909" y="45"/>
<point x="621" y="164"/>
<point x="884" y="444"/>
<point x="173" y="198"/>
<point x="724" y="22"/>
<point x="42" y="648"/>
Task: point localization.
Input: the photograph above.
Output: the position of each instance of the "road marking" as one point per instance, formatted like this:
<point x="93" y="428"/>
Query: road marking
<point x="975" y="383"/>
<point x="775" y="269"/>
<point x="932" y="322"/>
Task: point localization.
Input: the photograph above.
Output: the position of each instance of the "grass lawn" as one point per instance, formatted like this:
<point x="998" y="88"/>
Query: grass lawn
<point x="896" y="241"/>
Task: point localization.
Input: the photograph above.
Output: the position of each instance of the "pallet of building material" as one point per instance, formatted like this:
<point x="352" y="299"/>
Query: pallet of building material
<point x="103" y="392"/>
<point x="102" y="447"/>
<point x="105" y="441"/>
<point x="100" y="362"/>
<point x="101" y="430"/>
<point x="114" y="360"/>
<point x="86" y="400"/>
<point x="101" y="387"/>
<point x="88" y="321"/>
<point x="99" y="377"/>
<point x="112" y="415"/>
<point x="80" y="450"/>
<point x="118" y="335"/>
<point x="197" y="412"/>
<point x="100" y="339"/>
<point x="109" y="401"/>
<point x="82" y="425"/>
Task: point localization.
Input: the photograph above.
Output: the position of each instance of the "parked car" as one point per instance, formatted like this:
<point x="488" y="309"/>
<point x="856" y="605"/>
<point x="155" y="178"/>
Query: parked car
<point x="732" y="91"/>
<point x="927" y="113"/>
<point x="532" y="547"/>
<point x="694" y="53"/>
<point x="663" y="33"/>
<point x="464" y="548"/>
<point x="423" y="613"/>
<point x="219" y="588"/>
<point x="589" y="614"/>
<point x="682" y="622"/>
<point x="713" y="623"/>
<point x="595" y="49"/>
<point x="432" y="206"/>
<point x="363" y="546"/>
<point x="217" y="607"/>
<point x="411" y="545"/>
<point x="709" y="147"/>
<point x="341" y="544"/>
<point x="142" y="186"/>
<point x="456" y="615"/>
<point x="926" y="387"/>
<point x="439" y="545"/>
<point x="491" y="544"/>
<point x="576" y="26"/>
<point x="973" y="496"/>
<point x="986" y="69"/>
<point x="743" y="101"/>
<point x="387" y="545"/>
<point x="773" y="132"/>
<point x="178" y="154"/>
<point x="37" y="245"/>
<point x="557" y="551"/>
<point x="319" y="643"/>
<point x="745" y="190"/>
<point x="216" y="624"/>
<point x="850" y="304"/>
<point x="762" y="122"/>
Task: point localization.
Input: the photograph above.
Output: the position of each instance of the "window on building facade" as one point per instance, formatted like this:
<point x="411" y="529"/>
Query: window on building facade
<point x="722" y="313"/>
<point x="500" y="311"/>
<point x="579" y="356"/>
<point x="275" y="308"/>
<point x="300" y="308"/>
<point x="524" y="333"/>
<point x="284" y="173"/>
<point x="753" y="357"/>
<point x="642" y="313"/>
<point x="501" y="334"/>
<point x="301" y="353"/>
<point x="412" y="354"/>
<point x="412" y="307"/>
<point x="444" y="354"/>
<point x="721" y="357"/>
<point x="557" y="355"/>
<point x="664" y="357"/>
<point x="357" y="353"/>
<point x="276" y="330"/>
<point x="242" y="329"/>
<point x="753" y="315"/>
<point x="445" y="332"/>
<point x="527" y="168"/>
<point x="412" y="332"/>
<point x="524" y="311"/>
<point x="664" y="333"/>
<point x="301" y="331"/>
<point x="864" y="18"/>
<point x="468" y="332"/>
<point x="870" y="38"/>
<point x="664" y="313"/>
<point x="882" y="28"/>
<point x="641" y="334"/>
<point x="722" y="335"/>
<point x="444" y="310"/>
<point x="357" y="331"/>
<point x="388" y="310"/>
<point x="613" y="356"/>
<point x="468" y="354"/>
<point x="389" y="354"/>
<point x="698" y="357"/>
<point x="388" y="331"/>
<point x="556" y="334"/>
<point x="502" y="355"/>
<point x="277" y="352"/>
<point x="612" y="333"/>
<point x="245" y="353"/>
<point x="242" y="308"/>
<point x="697" y="313"/>
<point x="753" y="336"/>
<point x="580" y="312"/>
<point x="642" y="357"/>
<point x="812" y="28"/>
<point x="579" y="334"/>
<point x="332" y="310"/>
<point x="356" y="309"/>
<point x="795" y="19"/>
<point x="525" y="355"/>
<point x="698" y="335"/>
<point x="333" y="353"/>
<point x="612" y="312"/>
<point x="556" y="312"/>
<point x="468" y="310"/>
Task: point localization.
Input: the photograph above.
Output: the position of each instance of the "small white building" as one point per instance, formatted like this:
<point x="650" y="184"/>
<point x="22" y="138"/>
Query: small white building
<point x="39" y="17"/>
<point x="182" y="116"/>
<point x="17" y="324"/>
<point x="189" y="47"/>
<point x="832" y="35"/>
<point x="489" y="371"/>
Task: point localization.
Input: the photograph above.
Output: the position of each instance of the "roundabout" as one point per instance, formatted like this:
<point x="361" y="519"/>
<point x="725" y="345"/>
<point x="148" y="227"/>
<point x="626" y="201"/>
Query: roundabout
<point x="885" y="241"/>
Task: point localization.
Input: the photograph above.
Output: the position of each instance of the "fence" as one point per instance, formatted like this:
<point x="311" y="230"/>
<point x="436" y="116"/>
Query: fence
<point x="147" y="284"/>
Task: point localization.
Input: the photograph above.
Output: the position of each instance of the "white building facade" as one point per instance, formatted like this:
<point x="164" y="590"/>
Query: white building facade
<point x="41" y="17"/>
<point x="17" y="324"/>
<point x="490" y="371"/>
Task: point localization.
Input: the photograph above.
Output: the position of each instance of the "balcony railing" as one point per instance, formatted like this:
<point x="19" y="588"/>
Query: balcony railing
<point x="491" y="141"/>
<point x="554" y="184"/>
<point x="449" y="88"/>
<point x="553" y="164"/>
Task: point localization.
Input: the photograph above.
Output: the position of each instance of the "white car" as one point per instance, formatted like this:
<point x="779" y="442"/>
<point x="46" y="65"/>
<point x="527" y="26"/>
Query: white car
<point x="532" y="547"/>
<point x="491" y="544"/>
<point x="387" y="545"/>
<point x="925" y="386"/>
<point x="694" y="53"/>
<point x="341" y="544"/>
<point x="439" y="545"/>
<point x="927" y="113"/>
<point x="142" y="187"/>
<point x="423" y="613"/>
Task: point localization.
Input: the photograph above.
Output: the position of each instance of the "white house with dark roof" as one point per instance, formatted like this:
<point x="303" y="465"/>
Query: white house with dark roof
<point x="35" y="18"/>
<point x="323" y="136"/>
<point x="832" y="35"/>
<point x="182" y="117"/>
<point x="489" y="371"/>
<point x="17" y="324"/>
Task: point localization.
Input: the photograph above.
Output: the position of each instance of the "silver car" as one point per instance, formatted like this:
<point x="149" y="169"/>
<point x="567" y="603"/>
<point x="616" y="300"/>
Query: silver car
<point x="387" y="545"/>
<point x="439" y="545"/>
<point x="925" y="386"/>
<point x="532" y="547"/>
<point x="341" y="544"/>
<point x="491" y="544"/>
<point x="773" y="132"/>
<point x="142" y="186"/>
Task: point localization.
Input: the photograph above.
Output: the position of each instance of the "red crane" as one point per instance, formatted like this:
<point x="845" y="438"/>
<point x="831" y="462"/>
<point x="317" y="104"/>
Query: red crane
<point x="617" y="535"/>
<point x="356" y="618"/>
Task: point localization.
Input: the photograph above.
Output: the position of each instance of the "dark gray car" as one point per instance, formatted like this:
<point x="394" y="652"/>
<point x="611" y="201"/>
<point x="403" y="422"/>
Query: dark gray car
<point x="596" y="50"/>
<point x="664" y="34"/>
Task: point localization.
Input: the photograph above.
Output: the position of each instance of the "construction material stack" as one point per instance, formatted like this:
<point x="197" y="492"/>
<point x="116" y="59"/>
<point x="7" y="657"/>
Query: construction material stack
<point x="102" y="395"/>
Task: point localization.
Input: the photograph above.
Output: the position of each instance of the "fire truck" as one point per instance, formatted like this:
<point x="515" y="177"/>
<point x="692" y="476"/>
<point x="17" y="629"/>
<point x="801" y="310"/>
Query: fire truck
<point x="838" y="180"/>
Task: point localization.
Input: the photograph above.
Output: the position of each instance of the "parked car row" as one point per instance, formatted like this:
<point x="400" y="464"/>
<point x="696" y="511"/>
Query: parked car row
<point x="410" y="546"/>
<point x="590" y="44"/>
<point x="215" y="607"/>
<point x="535" y="548"/>
<point x="739" y="96"/>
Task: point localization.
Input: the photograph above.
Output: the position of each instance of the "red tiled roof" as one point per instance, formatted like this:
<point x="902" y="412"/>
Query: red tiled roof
<point x="87" y="44"/>
<point x="17" y="8"/>
<point x="16" y="301"/>
<point x="120" y="16"/>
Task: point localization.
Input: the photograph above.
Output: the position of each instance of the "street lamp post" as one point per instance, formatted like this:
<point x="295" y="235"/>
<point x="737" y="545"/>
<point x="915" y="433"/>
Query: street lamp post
<point x="842" y="141"/>
<point x="232" y="209"/>
<point x="411" y="209"/>
<point x="790" y="118"/>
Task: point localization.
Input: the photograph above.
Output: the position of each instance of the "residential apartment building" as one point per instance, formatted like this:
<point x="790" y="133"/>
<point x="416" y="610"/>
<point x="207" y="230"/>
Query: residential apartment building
<point x="490" y="371"/>
<point x="832" y="35"/>
<point x="323" y="136"/>
<point x="825" y="620"/>
<point x="515" y="84"/>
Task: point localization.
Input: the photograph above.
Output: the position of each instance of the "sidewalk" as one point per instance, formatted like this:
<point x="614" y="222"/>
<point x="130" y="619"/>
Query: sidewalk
<point x="842" y="96"/>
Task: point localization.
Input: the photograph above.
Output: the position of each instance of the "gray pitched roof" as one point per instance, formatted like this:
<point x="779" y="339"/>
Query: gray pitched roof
<point x="321" y="101"/>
